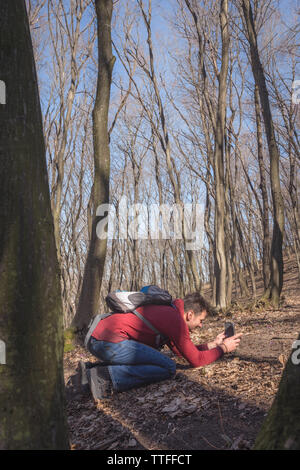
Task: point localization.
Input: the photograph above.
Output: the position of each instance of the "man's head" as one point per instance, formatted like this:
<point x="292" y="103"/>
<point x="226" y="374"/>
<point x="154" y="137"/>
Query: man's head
<point x="196" y="308"/>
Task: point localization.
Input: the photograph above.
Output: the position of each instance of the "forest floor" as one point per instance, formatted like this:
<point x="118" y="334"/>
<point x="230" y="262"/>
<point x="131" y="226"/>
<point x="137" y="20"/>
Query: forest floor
<point x="220" y="406"/>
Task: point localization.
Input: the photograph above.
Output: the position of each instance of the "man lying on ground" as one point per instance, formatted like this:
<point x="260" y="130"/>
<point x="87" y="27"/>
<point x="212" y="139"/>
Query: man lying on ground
<point x="128" y="346"/>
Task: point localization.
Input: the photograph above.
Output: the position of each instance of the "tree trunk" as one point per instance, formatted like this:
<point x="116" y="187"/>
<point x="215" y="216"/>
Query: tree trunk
<point x="281" y="428"/>
<point x="31" y="323"/>
<point x="264" y="193"/>
<point x="219" y="235"/>
<point x="90" y="294"/>
<point x="276" y="260"/>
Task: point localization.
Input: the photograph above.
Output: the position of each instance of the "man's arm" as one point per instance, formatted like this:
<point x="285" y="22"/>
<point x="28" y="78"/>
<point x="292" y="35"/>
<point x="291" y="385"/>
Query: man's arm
<point x="182" y="345"/>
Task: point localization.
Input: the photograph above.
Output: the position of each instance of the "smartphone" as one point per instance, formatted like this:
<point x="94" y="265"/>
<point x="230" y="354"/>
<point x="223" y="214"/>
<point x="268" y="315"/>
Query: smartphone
<point x="229" y="329"/>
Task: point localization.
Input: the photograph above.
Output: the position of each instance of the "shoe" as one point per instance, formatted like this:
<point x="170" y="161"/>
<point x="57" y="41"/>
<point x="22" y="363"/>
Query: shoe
<point x="100" y="382"/>
<point x="83" y="370"/>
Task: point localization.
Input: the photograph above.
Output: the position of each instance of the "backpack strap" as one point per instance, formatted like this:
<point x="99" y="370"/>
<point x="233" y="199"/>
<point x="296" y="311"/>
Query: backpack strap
<point x="92" y="325"/>
<point x="160" y="339"/>
<point x="159" y="336"/>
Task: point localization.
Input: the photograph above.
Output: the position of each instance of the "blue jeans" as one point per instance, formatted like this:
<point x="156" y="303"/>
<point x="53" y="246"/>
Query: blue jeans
<point x="132" y="364"/>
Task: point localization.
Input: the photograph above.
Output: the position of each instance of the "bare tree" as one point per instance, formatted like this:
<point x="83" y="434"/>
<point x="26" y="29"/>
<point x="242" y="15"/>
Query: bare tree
<point x="90" y="294"/>
<point x="276" y="267"/>
<point x="219" y="156"/>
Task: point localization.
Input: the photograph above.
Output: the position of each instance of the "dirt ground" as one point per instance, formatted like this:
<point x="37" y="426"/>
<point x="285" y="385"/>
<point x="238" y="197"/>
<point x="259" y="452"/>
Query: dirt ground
<point x="220" y="406"/>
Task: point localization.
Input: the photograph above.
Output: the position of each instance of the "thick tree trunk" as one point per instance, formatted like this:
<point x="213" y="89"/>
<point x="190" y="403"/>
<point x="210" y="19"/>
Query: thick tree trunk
<point x="90" y="294"/>
<point x="276" y="260"/>
<point x="31" y="323"/>
<point x="281" y="428"/>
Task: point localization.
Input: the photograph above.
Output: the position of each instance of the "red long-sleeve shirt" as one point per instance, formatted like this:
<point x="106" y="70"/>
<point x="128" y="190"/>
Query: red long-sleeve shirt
<point x="168" y="320"/>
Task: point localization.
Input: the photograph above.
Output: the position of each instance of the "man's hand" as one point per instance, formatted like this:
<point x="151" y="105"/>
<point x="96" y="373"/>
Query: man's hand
<point x="217" y="341"/>
<point x="230" y="344"/>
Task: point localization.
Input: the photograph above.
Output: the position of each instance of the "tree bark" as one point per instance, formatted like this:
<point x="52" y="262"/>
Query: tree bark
<point x="90" y="294"/>
<point x="31" y="323"/>
<point x="281" y="428"/>
<point x="276" y="260"/>
<point x="219" y="155"/>
<point x="264" y="193"/>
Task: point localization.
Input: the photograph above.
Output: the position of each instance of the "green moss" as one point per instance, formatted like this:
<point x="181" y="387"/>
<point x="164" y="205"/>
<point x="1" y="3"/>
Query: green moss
<point x="69" y="339"/>
<point x="68" y="347"/>
<point x="70" y="334"/>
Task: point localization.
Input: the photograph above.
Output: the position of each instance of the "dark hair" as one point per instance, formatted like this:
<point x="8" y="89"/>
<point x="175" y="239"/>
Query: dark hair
<point x="197" y="303"/>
